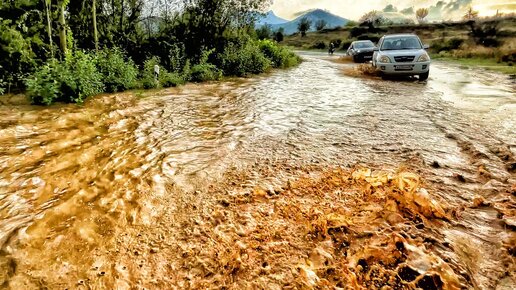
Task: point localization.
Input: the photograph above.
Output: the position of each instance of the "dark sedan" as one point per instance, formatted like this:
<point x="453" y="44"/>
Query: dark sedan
<point x="361" y="51"/>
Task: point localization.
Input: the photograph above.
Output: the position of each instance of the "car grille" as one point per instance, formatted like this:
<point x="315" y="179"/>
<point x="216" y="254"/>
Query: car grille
<point x="404" y="58"/>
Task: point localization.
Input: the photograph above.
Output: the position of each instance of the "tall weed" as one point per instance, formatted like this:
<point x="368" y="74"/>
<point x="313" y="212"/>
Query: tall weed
<point x="118" y="72"/>
<point x="243" y="60"/>
<point x="71" y="80"/>
<point x="280" y="56"/>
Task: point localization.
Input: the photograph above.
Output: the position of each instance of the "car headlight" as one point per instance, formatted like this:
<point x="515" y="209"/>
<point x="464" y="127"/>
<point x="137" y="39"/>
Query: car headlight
<point x="384" y="59"/>
<point x="358" y="51"/>
<point x="423" y="58"/>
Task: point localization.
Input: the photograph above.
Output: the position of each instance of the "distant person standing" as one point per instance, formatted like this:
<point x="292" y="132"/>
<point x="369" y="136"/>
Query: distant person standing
<point x="332" y="48"/>
<point x="156" y="72"/>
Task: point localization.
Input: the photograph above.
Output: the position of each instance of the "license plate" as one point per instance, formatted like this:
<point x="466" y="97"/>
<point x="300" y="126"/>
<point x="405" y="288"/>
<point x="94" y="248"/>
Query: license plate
<point x="404" y="67"/>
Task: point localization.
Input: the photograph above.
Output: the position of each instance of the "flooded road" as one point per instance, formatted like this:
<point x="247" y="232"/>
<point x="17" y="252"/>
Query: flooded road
<point x="140" y="191"/>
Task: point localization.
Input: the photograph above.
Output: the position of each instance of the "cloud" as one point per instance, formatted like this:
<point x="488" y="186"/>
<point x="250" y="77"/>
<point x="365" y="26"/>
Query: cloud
<point x="452" y="10"/>
<point x="297" y="14"/>
<point x="408" y="11"/>
<point x="390" y="8"/>
<point x="447" y="9"/>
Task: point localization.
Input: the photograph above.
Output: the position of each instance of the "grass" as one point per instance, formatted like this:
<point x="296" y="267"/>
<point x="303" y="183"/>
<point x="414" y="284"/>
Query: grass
<point x="486" y="63"/>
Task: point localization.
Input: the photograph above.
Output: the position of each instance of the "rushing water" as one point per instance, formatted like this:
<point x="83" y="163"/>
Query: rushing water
<point x="75" y="180"/>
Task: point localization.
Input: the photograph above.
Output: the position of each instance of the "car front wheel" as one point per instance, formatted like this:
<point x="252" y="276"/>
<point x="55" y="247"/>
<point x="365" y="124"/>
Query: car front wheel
<point x="424" y="76"/>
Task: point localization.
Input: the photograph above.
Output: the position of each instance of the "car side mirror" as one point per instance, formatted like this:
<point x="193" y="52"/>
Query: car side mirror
<point x="376" y="48"/>
<point x="426" y="46"/>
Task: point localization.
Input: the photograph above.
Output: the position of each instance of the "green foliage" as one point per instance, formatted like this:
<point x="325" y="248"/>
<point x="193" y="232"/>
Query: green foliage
<point x="118" y="72"/>
<point x="319" y="45"/>
<point x="280" y="56"/>
<point x="166" y="79"/>
<point x="241" y="60"/>
<point x="85" y="79"/>
<point x="346" y="44"/>
<point x="450" y="44"/>
<point x="16" y="54"/>
<point x="202" y="41"/>
<point x="205" y="72"/>
<point x="71" y="80"/>
<point x="264" y="32"/>
<point x="177" y="57"/>
<point x="351" y="23"/>
<point x="43" y="87"/>
<point x="485" y="32"/>
<point x="279" y="36"/>
<point x="171" y="79"/>
<point x="304" y="25"/>
<point x="320" y="24"/>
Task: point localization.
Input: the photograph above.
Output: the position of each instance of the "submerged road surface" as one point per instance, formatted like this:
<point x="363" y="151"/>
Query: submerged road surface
<point x="115" y="193"/>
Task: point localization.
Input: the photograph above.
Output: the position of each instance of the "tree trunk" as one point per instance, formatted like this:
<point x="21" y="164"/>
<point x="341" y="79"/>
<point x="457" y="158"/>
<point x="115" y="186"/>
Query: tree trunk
<point x="62" y="27"/>
<point x="122" y="12"/>
<point x="49" y="28"/>
<point x="95" y="32"/>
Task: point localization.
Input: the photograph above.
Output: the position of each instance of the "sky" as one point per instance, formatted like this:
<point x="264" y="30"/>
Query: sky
<point x="351" y="10"/>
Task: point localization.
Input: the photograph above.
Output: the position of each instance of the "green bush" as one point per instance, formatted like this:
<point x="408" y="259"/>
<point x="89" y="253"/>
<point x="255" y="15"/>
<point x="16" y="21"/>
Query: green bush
<point x="319" y="45"/>
<point x="80" y="76"/>
<point x="43" y="87"/>
<point x="448" y="45"/>
<point x="241" y="60"/>
<point x="205" y="72"/>
<point x="71" y="80"/>
<point x="346" y="44"/>
<point x="168" y="79"/>
<point x="118" y="72"/>
<point x="280" y="56"/>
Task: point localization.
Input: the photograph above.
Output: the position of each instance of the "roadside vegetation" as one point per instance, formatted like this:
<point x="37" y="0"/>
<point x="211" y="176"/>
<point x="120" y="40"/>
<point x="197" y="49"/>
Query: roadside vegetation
<point x="487" y="42"/>
<point x="67" y="51"/>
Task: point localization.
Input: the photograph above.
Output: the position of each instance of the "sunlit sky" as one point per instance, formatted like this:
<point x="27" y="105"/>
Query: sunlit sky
<point x="353" y="9"/>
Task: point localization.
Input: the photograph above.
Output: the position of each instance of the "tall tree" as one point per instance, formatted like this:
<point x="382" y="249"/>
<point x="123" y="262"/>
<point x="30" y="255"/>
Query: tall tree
<point x="421" y="14"/>
<point x="49" y="26"/>
<point x="471" y="14"/>
<point x="62" y="25"/>
<point x="320" y="24"/>
<point x="95" y="31"/>
<point x="372" y="19"/>
<point x="304" y="25"/>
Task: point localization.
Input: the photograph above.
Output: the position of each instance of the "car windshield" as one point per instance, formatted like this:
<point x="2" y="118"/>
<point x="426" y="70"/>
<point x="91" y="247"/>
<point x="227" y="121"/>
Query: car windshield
<point x="397" y="43"/>
<point x="363" y="44"/>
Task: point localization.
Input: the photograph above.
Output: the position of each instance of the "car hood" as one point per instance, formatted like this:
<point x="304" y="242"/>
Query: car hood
<point x="402" y="52"/>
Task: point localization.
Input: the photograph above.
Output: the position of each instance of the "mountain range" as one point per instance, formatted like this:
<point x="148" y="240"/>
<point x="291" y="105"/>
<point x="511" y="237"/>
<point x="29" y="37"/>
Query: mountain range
<point x="290" y="27"/>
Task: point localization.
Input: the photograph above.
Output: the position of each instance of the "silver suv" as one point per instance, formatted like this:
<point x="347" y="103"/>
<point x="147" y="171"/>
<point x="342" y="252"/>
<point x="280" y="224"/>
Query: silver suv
<point x="402" y="54"/>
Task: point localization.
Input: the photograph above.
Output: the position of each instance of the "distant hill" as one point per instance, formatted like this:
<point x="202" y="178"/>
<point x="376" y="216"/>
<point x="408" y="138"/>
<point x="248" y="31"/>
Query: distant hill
<point x="313" y="15"/>
<point x="270" y="18"/>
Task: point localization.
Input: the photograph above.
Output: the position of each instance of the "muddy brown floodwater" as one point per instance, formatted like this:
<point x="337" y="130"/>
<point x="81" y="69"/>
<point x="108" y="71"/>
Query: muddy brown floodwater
<point x="303" y="178"/>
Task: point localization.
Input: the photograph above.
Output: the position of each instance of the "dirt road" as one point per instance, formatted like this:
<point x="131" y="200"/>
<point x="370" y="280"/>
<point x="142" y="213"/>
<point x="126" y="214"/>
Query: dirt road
<point x="207" y="185"/>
